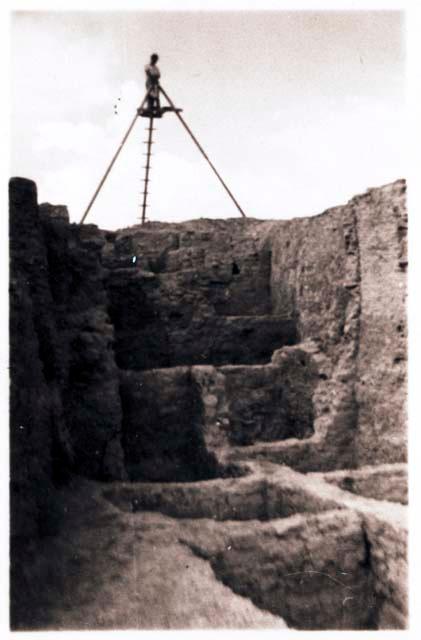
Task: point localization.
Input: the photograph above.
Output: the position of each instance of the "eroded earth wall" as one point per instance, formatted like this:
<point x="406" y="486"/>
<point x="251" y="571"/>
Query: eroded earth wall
<point x="65" y="408"/>
<point x="343" y="274"/>
<point x="34" y="405"/>
<point x="382" y="357"/>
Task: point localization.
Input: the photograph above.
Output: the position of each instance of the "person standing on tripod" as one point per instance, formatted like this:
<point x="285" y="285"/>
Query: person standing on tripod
<point x="152" y="84"/>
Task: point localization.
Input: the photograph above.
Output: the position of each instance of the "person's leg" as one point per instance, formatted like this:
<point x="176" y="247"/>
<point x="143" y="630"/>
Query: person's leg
<point x="151" y="101"/>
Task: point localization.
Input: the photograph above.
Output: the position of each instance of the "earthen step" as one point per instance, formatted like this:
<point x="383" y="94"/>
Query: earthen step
<point x="216" y="340"/>
<point x="176" y="419"/>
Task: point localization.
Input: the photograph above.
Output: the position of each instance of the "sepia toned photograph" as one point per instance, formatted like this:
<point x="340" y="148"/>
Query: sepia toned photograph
<point x="208" y="320"/>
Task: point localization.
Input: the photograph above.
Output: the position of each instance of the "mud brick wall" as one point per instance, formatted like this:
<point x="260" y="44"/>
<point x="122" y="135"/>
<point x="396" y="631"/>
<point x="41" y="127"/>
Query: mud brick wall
<point x="382" y="357"/>
<point x="34" y="370"/>
<point x="343" y="274"/>
<point x="315" y="277"/>
<point x="65" y="410"/>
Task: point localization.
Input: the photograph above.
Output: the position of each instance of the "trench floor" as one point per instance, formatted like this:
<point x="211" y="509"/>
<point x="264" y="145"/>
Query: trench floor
<point x="111" y="566"/>
<point x="110" y="569"/>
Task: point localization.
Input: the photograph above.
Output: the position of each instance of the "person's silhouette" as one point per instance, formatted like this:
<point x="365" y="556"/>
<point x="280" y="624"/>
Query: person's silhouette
<point x="152" y="84"/>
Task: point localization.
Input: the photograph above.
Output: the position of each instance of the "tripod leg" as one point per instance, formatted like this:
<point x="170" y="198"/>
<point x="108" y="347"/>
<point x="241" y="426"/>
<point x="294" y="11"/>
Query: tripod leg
<point x="110" y="166"/>
<point x="202" y="151"/>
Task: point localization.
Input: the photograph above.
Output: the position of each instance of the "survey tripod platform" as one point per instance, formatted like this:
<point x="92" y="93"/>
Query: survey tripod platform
<point x="153" y="114"/>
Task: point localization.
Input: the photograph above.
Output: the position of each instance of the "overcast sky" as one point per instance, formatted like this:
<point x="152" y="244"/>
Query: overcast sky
<point x="299" y="111"/>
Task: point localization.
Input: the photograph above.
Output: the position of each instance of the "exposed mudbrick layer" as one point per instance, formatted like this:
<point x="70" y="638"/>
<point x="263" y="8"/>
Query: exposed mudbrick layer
<point x="163" y="427"/>
<point x="235" y="392"/>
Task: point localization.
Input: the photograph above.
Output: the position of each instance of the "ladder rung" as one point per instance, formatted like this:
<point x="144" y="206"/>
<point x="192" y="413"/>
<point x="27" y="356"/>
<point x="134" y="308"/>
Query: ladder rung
<point x="149" y="142"/>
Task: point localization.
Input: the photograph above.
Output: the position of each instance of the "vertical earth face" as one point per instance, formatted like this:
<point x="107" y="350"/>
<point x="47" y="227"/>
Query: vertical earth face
<point x="176" y="379"/>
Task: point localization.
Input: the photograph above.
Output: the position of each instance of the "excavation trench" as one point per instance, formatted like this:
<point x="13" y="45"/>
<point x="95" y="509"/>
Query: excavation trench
<point x="252" y="495"/>
<point x="297" y="545"/>
<point x="176" y="420"/>
<point x="313" y="571"/>
<point x="160" y="353"/>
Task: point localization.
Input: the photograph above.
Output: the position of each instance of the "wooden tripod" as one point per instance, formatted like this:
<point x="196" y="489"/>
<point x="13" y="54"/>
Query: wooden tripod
<point x="152" y="115"/>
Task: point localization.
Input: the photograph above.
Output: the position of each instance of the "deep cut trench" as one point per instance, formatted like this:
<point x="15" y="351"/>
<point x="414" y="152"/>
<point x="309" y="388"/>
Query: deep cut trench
<point x="243" y="498"/>
<point x="275" y="492"/>
<point x="315" y="571"/>
<point x="275" y="540"/>
<point x="190" y="302"/>
<point x="314" y="577"/>
<point x="176" y="419"/>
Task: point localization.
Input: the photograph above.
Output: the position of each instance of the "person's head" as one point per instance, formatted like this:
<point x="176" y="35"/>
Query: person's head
<point x="154" y="58"/>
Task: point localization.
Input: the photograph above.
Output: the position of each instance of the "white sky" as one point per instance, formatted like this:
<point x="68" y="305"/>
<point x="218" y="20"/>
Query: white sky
<point x="299" y="111"/>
